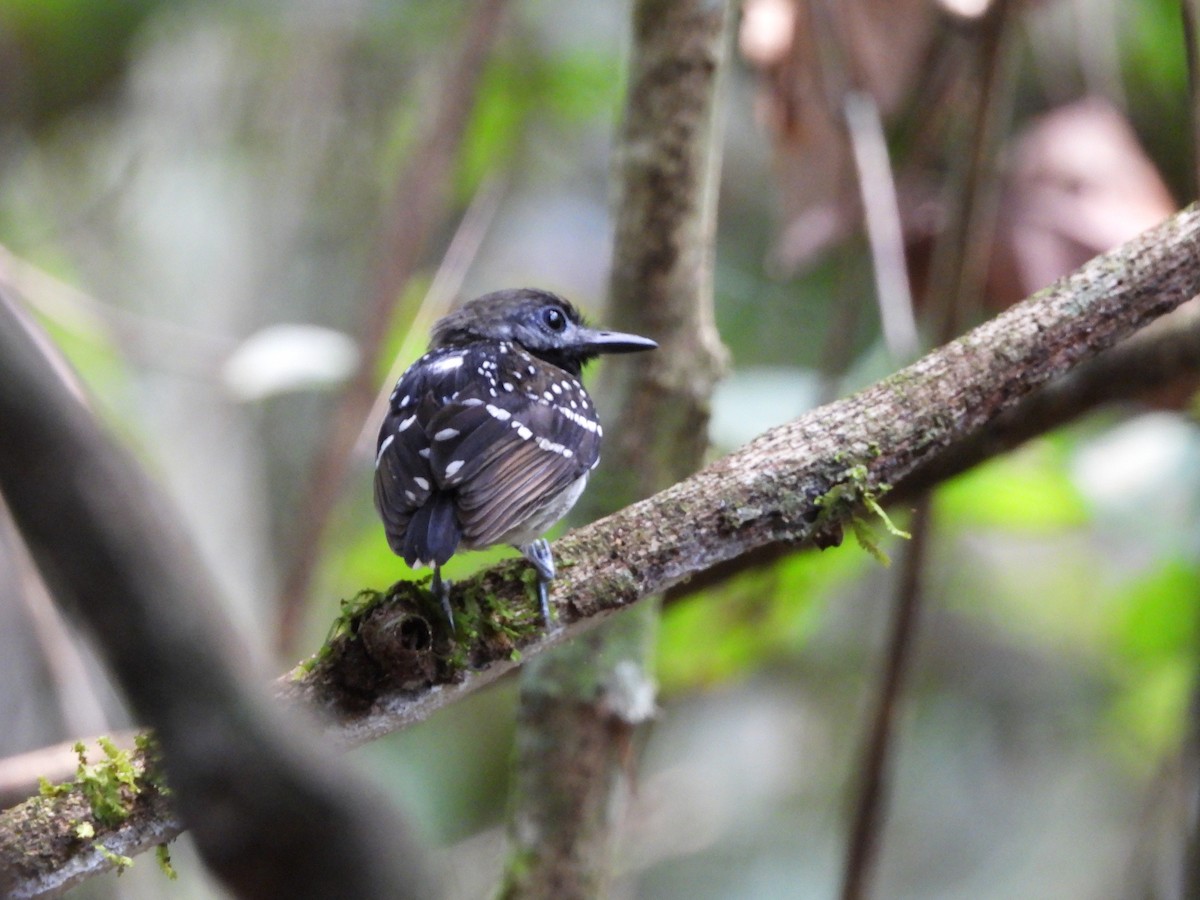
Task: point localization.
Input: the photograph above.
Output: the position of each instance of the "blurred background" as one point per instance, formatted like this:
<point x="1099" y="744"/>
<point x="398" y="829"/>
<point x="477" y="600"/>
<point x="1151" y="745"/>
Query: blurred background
<point x="222" y="211"/>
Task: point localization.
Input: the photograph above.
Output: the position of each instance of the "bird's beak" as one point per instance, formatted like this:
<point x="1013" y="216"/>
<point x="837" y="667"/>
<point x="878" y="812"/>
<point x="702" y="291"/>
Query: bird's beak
<point x="613" y="342"/>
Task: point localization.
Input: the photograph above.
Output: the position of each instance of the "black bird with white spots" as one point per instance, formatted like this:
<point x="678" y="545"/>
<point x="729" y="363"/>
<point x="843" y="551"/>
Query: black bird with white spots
<point x="490" y="436"/>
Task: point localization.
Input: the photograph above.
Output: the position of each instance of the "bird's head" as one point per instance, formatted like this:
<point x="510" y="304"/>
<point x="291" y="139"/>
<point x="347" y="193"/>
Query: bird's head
<point x="544" y="324"/>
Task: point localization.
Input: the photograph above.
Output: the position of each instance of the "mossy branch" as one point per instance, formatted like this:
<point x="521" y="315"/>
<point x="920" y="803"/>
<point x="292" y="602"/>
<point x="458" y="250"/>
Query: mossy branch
<point x="775" y="490"/>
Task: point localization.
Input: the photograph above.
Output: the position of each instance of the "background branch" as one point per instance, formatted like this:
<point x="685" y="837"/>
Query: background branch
<point x="271" y="816"/>
<point x="582" y="703"/>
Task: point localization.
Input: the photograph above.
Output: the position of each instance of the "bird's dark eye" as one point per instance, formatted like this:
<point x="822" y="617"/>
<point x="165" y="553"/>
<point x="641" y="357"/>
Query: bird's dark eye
<point x="554" y="318"/>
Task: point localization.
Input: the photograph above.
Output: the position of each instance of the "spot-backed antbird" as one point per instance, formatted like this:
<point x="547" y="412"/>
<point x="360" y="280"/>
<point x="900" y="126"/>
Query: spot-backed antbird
<point x="490" y="437"/>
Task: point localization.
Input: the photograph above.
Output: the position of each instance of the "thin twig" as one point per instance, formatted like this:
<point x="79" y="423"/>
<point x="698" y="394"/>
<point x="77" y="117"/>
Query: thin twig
<point x="871" y="803"/>
<point x="957" y="288"/>
<point x="877" y="188"/>
<point x="460" y="254"/>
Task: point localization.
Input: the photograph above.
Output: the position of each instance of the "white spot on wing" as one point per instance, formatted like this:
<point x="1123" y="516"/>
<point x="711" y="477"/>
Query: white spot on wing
<point x="446" y="434"/>
<point x="403" y="426"/>
<point x="453" y="467"/>
<point x="502" y="414"/>
<point x="579" y="419"/>
<point x="422" y="483"/>
<point x="387" y="442"/>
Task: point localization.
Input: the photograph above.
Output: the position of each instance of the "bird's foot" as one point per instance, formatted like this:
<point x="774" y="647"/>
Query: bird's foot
<point x="539" y="555"/>
<point x="441" y="591"/>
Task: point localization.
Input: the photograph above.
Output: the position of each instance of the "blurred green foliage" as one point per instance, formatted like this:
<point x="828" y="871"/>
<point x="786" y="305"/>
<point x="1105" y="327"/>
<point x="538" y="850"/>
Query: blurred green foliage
<point x="1103" y="620"/>
<point x="63" y="54"/>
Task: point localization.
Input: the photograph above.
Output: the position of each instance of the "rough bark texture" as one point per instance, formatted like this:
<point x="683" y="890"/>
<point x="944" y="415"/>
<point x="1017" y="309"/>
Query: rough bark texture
<point x="793" y="485"/>
<point x="582" y="702"/>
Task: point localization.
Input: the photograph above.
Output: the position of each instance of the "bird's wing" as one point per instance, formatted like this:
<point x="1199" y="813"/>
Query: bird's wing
<point x="504" y="450"/>
<point x="509" y="456"/>
<point x="404" y="478"/>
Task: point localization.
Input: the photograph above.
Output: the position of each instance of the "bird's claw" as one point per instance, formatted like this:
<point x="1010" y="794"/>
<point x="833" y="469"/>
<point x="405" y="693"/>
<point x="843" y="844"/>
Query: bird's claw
<point x="539" y="555"/>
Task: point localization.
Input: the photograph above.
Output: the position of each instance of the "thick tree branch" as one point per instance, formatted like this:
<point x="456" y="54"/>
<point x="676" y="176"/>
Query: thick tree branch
<point x="793" y="485"/>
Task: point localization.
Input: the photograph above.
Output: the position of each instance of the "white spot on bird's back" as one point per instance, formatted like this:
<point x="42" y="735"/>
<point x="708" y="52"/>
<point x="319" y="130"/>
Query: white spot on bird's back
<point x="502" y="414"/>
<point x="403" y="426"/>
<point x="453" y="467"/>
<point x="446" y="434"/>
<point x="422" y="483"/>
<point x="448" y="363"/>
<point x="524" y="432"/>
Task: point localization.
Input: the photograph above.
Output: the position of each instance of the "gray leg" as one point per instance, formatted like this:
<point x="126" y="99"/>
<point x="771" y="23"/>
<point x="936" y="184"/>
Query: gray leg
<point x="441" y="590"/>
<point x="538" y="553"/>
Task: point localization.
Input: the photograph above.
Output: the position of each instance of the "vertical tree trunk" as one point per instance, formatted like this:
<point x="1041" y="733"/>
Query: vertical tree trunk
<point x="581" y="704"/>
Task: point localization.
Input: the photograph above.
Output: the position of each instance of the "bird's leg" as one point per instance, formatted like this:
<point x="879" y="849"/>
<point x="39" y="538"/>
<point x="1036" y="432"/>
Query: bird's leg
<point x="538" y="553"/>
<point x="441" y="590"/>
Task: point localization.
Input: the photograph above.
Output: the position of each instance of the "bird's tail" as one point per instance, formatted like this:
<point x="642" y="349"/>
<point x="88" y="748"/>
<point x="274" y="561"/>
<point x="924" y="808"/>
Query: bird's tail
<point x="433" y="532"/>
